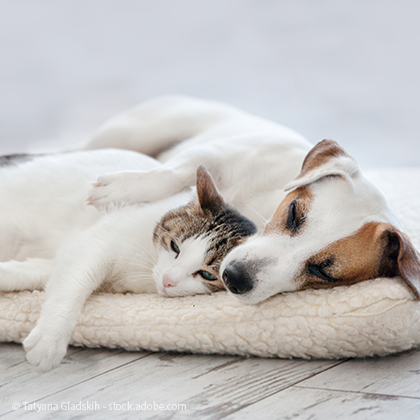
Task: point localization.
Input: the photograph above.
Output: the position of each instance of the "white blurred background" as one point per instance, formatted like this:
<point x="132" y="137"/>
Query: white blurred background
<point x="346" y="70"/>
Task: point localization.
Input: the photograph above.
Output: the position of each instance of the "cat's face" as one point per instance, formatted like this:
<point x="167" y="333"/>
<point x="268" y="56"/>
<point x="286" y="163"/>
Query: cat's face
<point x="193" y="240"/>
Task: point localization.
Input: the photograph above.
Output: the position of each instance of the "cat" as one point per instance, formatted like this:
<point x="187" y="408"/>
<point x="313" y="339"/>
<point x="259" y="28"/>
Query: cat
<point x="52" y="240"/>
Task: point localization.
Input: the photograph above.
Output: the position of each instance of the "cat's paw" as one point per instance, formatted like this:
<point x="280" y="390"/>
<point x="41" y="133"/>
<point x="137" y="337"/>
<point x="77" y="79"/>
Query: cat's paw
<point x="122" y="188"/>
<point x="44" y="350"/>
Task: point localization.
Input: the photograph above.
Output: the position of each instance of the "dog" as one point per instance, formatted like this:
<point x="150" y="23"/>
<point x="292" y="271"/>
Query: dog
<point x="321" y="223"/>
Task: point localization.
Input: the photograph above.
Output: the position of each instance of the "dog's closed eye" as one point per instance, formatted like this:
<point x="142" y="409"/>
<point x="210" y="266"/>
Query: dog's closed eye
<point x="295" y="217"/>
<point x="319" y="270"/>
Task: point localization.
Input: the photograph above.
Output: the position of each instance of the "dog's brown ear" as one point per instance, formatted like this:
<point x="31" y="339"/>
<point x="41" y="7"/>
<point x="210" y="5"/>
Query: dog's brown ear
<point x="326" y="158"/>
<point x="400" y="258"/>
<point x="208" y="196"/>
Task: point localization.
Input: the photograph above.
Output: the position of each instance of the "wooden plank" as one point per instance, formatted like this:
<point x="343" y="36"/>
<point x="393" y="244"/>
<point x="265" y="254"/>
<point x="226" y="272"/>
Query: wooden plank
<point x="20" y="382"/>
<point x="393" y="375"/>
<point x="13" y="361"/>
<point x="318" y="404"/>
<point x="208" y="385"/>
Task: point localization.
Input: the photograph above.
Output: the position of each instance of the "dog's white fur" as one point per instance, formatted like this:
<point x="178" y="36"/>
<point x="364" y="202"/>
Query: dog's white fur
<point x="254" y="162"/>
<point x="251" y="159"/>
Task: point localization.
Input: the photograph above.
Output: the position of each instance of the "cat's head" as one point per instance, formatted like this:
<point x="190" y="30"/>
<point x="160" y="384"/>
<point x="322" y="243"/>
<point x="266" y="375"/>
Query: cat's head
<point x="193" y="240"/>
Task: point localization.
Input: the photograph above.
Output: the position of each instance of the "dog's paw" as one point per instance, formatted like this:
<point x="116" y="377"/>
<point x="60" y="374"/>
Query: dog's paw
<point x="117" y="188"/>
<point x="44" y="351"/>
<point x="127" y="188"/>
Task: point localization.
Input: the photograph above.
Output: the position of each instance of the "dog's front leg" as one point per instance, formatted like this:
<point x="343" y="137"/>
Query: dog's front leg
<point x="130" y="187"/>
<point x="79" y="271"/>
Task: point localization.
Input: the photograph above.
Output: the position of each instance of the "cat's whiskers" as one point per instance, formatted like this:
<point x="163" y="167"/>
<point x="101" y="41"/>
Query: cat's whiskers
<point x="146" y="254"/>
<point x="160" y="226"/>
<point x="148" y="266"/>
<point x="168" y="231"/>
<point x="180" y="218"/>
<point x="158" y="272"/>
<point x="144" y="266"/>
<point x="189" y="213"/>
<point x="258" y="214"/>
<point x="140" y="271"/>
<point x="129" y="280"/>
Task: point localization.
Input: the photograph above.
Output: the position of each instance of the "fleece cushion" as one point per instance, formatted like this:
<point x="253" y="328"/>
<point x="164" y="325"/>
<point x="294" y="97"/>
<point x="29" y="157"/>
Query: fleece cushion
<point x="376" y="317"/>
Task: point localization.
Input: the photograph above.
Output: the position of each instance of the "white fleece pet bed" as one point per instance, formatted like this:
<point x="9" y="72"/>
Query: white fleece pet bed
<point x="376" y="317"/>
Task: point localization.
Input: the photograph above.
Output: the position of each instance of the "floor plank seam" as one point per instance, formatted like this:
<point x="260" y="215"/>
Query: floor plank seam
<point x="317" y="373"/>
<point x="357" y="392"/>
<point x="81" y="382"/>
<point x="283" y="389"/>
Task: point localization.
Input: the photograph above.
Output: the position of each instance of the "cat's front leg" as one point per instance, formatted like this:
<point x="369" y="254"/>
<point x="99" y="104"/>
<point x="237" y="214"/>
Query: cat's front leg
<point x="46" y="345"/>
<point x="78" y="272"/>
<point x="30" y="274"/>
<point x="46" y="348"/>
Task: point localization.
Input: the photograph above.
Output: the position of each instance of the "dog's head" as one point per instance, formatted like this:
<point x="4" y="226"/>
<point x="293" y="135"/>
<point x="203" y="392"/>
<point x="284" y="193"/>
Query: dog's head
<point x="333" y="228"/>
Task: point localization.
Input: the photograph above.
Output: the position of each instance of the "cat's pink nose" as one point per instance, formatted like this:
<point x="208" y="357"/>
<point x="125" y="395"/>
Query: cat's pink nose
<point x="168" y="282"/>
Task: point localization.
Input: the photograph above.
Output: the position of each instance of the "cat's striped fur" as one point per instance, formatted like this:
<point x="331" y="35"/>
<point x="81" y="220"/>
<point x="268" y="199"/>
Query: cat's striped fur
<point x="209" y="218"/>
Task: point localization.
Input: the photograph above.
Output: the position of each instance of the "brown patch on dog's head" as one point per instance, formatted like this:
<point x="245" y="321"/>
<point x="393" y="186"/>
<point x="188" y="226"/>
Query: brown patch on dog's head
<point x="291" y="214"/>
<point x="319" y="155"/>
<point x="326" y="158"/>
<point x="375" y="250"/>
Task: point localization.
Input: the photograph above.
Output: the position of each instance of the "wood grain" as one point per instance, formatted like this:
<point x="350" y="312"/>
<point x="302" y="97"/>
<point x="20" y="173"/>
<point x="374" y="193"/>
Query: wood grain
<point x="393" y="375"/>
<point x="318" y="404"/>
<point x="20" y="382"/>
<point x="212" y="387"/>
<point x="209" y="386"/>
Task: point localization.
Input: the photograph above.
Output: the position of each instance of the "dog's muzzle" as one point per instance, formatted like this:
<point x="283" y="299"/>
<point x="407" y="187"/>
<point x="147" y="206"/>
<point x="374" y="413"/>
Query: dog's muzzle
<point x="237" y="278"/>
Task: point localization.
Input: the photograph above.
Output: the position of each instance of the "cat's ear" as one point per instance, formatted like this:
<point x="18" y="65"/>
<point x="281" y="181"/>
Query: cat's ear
<point x="208" y="196"/>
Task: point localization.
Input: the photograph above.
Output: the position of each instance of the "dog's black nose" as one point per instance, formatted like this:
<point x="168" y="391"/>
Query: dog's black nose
<point x="237" y="279"/>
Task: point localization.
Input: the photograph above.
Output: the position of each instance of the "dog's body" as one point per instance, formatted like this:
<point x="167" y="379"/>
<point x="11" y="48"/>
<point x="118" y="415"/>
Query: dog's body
<point x="252" y="159"/>
<point x="332" y="228"/>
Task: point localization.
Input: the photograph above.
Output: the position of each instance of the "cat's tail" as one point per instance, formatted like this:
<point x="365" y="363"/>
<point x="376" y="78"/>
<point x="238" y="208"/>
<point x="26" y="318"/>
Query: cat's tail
<point x="159" y="124"/>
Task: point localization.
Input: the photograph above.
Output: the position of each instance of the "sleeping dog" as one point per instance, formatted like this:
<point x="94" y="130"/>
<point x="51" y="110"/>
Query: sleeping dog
<point x="322" y="224"/>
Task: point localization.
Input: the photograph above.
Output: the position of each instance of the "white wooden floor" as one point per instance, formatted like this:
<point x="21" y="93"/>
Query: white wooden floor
<point x="208" y="387"/>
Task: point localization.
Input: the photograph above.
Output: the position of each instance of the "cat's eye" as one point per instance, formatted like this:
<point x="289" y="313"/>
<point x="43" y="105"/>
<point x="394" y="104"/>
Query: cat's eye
<point x="175" y="247"/>
<point x="207" y="276"/>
